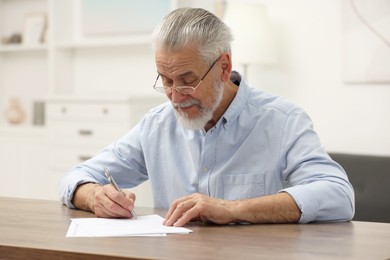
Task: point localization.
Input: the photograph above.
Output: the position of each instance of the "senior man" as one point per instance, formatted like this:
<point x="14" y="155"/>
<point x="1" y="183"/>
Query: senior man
<point x="219" y="151"/>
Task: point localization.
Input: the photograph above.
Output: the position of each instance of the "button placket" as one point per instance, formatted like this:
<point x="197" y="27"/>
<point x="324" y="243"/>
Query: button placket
<point x="207" y="161"/>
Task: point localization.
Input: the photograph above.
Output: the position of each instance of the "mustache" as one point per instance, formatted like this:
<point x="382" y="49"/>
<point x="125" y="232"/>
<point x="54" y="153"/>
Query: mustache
<point x="186" y="103"/>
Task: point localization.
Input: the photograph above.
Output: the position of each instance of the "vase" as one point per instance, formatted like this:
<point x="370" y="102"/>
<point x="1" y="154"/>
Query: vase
<point x="15" y="113"/>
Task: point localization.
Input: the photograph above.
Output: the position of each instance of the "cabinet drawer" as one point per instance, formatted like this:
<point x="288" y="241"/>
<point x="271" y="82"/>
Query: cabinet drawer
<point x="64" y="158"/>
<point x="86" y="133"/>
<point x="94" y="112"/>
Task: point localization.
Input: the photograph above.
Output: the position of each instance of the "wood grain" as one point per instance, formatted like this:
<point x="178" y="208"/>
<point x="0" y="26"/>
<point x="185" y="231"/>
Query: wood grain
<point x="35" y="229"/>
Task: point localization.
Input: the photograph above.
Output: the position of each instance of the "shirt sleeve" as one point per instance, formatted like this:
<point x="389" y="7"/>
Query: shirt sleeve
<point x="319" y="185"/>
<point x="70" y="182"/>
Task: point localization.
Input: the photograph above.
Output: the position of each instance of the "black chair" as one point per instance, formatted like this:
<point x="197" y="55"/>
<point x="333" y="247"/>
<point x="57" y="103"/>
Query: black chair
<point x="370" y="177"/>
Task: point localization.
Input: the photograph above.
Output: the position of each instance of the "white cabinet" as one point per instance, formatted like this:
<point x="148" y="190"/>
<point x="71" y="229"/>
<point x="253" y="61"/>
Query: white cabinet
<point x="24" y="172"/>
<point x="79" y="128"/>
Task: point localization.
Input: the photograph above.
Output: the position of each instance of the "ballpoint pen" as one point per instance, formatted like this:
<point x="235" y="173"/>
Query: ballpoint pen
<point x="113" y="183"/>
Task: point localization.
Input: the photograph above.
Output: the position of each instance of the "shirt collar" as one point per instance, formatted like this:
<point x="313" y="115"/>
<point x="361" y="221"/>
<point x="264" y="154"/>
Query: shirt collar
<point x="237" y="105"/>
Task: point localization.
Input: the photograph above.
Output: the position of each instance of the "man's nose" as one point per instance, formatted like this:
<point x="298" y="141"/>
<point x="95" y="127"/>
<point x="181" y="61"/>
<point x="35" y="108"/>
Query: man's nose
<point x="176" y="97"/>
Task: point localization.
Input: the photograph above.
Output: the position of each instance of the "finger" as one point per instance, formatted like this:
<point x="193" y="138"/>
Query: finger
<point x="131" y="198"/>
<point x="129" y="195"/>
<point x="180" y="211"/>
<point x="116" y="203"/>
<point x="102" y="212"/>
<point x="116" y="210"/>
<point x="100" y="209"/>
<point x="172" y="208"/>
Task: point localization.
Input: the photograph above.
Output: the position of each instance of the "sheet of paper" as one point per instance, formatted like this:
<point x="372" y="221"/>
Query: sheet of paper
<point x="150" y="225"/>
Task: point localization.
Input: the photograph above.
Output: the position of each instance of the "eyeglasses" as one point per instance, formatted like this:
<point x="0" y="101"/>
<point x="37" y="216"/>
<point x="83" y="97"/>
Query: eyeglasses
<point x="184" y="90"/>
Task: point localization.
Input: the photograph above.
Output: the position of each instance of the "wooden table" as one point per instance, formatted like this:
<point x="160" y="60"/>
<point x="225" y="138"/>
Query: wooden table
<point x="35" y="229"/>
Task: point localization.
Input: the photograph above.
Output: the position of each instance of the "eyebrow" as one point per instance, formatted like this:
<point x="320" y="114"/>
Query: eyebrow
<point x="188" y="73"/>
<point x="182" y="75"/>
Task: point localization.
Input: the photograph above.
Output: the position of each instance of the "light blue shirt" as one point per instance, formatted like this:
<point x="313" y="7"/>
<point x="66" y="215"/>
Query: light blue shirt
<point x="262" y="145"/>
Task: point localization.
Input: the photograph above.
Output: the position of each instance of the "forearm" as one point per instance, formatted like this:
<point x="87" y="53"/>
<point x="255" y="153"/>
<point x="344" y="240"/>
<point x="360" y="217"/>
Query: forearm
<point x="277" y="208"/>
<point x="84" y="196"/>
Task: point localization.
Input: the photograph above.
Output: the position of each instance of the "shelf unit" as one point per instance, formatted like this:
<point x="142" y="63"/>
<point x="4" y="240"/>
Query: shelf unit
<point x="70" y="67"/>
<point x="68" y="62"/>
<point x="23" y="69"/>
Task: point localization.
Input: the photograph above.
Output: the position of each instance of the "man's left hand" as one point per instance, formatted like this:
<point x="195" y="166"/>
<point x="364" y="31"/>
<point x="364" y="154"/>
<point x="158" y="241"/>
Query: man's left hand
<point x="199" y="207"/>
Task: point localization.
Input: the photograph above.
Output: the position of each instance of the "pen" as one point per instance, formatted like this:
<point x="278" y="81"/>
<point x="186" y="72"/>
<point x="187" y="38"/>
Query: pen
<point x="113" y="183"/>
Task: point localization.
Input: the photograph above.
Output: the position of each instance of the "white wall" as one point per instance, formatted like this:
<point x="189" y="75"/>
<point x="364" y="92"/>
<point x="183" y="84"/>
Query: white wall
<point x="351" y="118"/>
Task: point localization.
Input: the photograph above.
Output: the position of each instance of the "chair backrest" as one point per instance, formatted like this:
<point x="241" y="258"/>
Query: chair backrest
<point x="370" y="177"/>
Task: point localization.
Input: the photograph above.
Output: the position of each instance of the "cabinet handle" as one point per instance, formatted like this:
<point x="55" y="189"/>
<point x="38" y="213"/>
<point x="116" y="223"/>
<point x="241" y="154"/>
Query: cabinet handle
<point x="84" y="157"/>
<point x="85" y="132"/>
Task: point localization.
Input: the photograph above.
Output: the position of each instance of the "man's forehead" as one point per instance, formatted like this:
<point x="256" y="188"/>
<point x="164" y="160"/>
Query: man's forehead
<point x="176" y="56"/>
<point x="177" y="63"/>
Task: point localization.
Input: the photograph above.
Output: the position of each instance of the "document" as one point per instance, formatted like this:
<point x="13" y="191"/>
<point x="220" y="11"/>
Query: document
<point x="150" y="225"/>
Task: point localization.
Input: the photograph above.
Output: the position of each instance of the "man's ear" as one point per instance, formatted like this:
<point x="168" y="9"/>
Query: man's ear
<point x="226" y="65"/>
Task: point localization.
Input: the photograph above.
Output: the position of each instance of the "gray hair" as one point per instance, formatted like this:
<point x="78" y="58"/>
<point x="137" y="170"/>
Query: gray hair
<point x="185" y="26"/>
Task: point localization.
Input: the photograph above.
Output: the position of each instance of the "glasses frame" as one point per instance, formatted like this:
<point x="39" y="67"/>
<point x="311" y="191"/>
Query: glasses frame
<point x="184" y="90"/>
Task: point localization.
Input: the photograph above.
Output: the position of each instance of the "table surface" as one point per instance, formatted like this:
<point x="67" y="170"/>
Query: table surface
<point x="35" y="229"/>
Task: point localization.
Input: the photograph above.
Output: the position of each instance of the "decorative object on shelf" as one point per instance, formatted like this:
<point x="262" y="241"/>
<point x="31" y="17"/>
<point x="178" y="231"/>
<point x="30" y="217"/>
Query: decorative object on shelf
<point x="38" y="113"/>
<point x="34" y="29"/>
<point x="15" y="38"/>
<point x="101" y="17"/>
<point x="253" y="41"/>
<point x="15" y="113"/>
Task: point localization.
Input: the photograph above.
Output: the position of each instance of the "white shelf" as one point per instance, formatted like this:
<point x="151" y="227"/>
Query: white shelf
<point x="22" y="48"/>
<point x="133" y="40"/>
<point x="8" y="131"/>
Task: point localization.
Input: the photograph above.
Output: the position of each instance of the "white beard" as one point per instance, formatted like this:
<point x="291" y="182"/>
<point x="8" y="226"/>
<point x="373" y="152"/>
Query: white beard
<point x="206" y="114"/>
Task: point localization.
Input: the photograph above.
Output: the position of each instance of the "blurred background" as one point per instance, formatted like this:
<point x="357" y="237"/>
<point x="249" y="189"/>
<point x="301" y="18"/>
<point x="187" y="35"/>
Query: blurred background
<point x="77" y="74"/>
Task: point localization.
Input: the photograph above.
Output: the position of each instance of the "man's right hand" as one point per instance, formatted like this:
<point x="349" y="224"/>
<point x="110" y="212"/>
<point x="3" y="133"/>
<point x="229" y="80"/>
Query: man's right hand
<point x="105" y="201"/>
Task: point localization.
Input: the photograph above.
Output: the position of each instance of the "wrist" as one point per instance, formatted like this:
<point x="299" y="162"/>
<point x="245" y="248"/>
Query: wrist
<point x="92" y="195"/>
<point x="84" y="196"/>
<point x="236" y="211"/>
